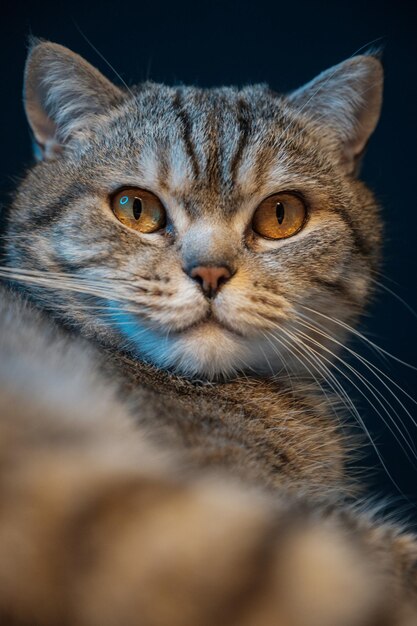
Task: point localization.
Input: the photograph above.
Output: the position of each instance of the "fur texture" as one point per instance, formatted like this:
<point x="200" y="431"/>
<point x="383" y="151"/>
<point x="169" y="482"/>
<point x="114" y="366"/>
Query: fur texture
<point x="167" y="458"/>
<point x="211" y="156"/>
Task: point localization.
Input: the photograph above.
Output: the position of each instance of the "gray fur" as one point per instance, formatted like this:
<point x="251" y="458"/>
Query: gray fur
<point x="176" y="457"/>
<point x="211" y="156"/>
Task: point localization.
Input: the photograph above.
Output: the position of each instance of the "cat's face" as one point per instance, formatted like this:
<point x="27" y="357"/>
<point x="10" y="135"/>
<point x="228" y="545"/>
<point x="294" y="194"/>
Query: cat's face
<point x="250" y="224"/>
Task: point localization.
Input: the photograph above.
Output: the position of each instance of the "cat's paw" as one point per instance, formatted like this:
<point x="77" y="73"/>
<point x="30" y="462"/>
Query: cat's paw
<point x="206" y="554"/>
<point x="90" y="540"/>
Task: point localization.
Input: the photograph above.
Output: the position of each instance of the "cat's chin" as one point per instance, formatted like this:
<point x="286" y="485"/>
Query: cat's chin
<point x="207" y="350"/>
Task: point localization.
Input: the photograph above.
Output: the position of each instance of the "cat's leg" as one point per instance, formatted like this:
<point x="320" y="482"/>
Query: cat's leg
<point x="97" y="530"/>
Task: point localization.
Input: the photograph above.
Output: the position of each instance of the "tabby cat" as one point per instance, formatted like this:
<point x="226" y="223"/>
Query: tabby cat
<point x="182" y="265"/>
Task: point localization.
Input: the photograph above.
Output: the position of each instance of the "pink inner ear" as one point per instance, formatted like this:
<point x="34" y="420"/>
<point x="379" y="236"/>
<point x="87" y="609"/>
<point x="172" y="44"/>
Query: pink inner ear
<point x="44" y="131"/>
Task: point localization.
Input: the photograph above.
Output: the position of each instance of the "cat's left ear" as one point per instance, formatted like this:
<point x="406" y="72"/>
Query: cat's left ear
<point x="345" y="101"/>
<point x="63" y="95"/>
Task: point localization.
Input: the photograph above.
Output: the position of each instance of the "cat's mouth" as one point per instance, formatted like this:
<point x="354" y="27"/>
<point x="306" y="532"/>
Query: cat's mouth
<point x="209" y="320"/>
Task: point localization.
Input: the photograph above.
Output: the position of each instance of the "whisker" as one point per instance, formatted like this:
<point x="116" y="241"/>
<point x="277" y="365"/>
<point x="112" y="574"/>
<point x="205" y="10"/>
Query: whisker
<point x="370" y="366"/>
<point x="362" y="423"/>
<point x="358" y="334"/>
<point x="375" y="393"/>
<point x="329" y="374"/>
<point x="103" y="58"/>
<point x="395" y="295"/>
<point x="291" y="348"/>
<point x="62" y="282"/>
<point x="373" y="390"/>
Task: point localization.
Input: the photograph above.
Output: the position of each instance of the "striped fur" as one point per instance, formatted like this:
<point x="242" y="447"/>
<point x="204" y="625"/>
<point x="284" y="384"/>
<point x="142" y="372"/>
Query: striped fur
<point x="165" y="460"/>
<point x="211" y="156"/>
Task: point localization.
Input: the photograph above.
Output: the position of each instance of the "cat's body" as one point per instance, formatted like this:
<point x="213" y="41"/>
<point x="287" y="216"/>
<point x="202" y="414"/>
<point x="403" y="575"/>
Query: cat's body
<point x="213" y="425"/>
<point x="132" y="494"/>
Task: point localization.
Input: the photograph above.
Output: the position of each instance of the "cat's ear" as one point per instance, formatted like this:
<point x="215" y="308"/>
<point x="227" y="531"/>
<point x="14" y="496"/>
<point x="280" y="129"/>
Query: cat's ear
<point x="345" y="101"/>
<point x="62" y="95"/>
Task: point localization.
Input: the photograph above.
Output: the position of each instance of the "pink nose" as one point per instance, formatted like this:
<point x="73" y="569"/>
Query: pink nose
<point x="210" y="278"/>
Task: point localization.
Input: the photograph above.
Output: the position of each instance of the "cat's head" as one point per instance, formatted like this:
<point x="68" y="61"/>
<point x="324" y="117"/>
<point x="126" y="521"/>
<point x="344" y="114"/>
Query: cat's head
<point x="207" y="231"/>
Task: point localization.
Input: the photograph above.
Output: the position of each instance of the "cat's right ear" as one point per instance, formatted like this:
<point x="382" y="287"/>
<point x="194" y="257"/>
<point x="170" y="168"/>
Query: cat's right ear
<point x="345" y="101"/>
<point x="63" y="94"/>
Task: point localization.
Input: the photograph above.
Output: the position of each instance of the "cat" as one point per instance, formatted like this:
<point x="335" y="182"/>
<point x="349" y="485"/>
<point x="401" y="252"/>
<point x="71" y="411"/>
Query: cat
<point x="182" y="266"/>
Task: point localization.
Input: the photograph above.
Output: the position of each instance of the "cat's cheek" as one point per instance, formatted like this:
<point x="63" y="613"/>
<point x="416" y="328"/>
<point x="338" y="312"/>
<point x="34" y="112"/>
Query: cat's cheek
<point x="252" y="313"/>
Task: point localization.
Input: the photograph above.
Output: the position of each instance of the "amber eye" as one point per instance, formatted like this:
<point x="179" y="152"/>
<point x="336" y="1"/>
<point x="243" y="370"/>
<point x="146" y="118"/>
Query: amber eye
<point x="279" y="216"/>
<point x="139" y="209"/>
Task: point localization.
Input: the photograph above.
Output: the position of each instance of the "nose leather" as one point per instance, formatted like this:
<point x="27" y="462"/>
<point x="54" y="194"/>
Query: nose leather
<point x="210" y="278"/>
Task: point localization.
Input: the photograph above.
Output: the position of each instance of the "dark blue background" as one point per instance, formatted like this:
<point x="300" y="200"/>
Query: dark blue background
<point x="284" y="44"/>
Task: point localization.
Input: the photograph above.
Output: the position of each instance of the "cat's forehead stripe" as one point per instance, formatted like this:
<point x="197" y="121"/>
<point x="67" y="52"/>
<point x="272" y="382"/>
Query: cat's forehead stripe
<point x="243" y="117"/>
<point x="215" y="131"/>
<point x="185" y="127"/>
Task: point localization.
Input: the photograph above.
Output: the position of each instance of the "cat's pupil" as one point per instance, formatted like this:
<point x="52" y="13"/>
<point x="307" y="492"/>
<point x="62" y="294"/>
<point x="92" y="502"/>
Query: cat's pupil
<point x="137" y="208"/>
<point x="280" y="212"/>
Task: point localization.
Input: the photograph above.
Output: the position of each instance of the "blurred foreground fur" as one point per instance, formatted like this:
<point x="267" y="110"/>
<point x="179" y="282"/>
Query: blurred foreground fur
<point x="146" y="483"/>
<point x="99" y="526"/>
